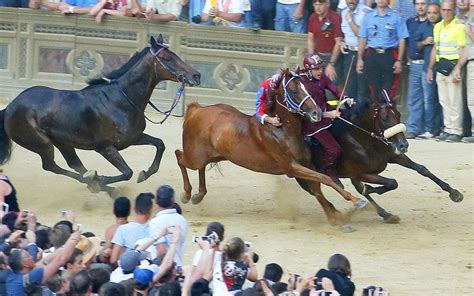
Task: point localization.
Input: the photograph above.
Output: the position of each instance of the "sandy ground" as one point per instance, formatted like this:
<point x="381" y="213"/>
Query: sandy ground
<point x="430" y="252"/>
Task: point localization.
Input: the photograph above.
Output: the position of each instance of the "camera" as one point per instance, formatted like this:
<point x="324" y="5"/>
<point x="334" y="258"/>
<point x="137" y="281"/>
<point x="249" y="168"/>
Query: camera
<point x="326" y="25"/>
<point x="210" y="238"/>
<point x="196" y="19"/>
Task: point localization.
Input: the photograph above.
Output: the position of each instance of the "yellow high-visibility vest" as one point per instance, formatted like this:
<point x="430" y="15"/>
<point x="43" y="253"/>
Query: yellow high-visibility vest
<point x="449" y="39"/>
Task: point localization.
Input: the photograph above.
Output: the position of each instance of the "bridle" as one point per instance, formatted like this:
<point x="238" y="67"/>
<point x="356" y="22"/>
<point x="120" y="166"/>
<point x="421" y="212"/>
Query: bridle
<point x="290" y="104"/>
<point x="380" y="132"/>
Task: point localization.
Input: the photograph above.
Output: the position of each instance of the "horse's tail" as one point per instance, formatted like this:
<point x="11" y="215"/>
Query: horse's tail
<point x="5" y="142"/>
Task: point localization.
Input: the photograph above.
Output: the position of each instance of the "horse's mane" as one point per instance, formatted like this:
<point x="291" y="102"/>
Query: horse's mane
<point x="115" y="74"/>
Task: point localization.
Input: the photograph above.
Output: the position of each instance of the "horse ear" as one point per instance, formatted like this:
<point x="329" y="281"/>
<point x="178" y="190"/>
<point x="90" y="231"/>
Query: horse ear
<point x="152" y="41"/>
<point x="159" y="39"/>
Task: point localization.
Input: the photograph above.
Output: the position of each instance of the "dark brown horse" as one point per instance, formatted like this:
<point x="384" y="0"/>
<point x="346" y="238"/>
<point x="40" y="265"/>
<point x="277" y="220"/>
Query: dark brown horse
<point x="367" y="151"/>
<point x="221" y="132"/>
<point x="106" y="116"/>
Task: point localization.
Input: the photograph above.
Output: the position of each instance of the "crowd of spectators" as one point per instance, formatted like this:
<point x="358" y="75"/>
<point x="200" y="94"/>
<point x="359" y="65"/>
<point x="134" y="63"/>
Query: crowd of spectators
<point x="145" y="257"/>
<point x="368" y="39"/>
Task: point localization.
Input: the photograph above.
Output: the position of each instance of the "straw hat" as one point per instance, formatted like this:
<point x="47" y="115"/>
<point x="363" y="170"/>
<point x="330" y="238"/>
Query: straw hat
<point x="89" y="246"/>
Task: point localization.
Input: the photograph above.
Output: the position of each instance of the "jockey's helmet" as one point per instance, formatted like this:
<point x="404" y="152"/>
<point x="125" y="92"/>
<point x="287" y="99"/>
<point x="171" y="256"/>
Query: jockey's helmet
<point x="312" y="61"/>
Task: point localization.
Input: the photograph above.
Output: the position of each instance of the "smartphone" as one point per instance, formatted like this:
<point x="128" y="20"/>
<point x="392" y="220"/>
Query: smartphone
<point x="5" y="207"/>
<point x="205" y="238"/>
<point x="248" y="245"/>
<point x="79" y="226"/>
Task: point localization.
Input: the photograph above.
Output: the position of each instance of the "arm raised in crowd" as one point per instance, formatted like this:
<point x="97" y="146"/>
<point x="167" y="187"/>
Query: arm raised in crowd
<point x="169" y="257"/>
<point x="61" y="259"/>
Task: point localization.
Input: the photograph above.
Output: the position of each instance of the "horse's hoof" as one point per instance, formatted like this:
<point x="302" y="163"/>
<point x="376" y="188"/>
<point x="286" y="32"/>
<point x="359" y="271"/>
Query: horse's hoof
<point x="114" y="192"/>
<point x="185" y="197"/>
<point x="391" y="219"/>
<point x="90" y="176"/>
<point x="93" y="187"/>
<point x="142" y="176"/>
<point x="346" y="228"/>
<point x="360" y="204"/>
<point x="197" y="198"/>
<point x="456" y="196"/>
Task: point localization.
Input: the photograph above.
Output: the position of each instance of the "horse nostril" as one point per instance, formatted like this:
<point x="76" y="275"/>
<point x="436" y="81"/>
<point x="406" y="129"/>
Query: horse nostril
<point x="197" y="78"/>
<point x="315" y="114"/>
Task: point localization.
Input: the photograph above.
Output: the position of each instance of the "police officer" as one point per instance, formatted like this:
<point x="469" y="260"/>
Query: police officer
<point x="383" y="31"/>
<point x="352" y="17"/>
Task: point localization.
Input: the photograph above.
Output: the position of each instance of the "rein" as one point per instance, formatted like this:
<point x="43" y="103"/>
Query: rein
<point x="179" y="91"/>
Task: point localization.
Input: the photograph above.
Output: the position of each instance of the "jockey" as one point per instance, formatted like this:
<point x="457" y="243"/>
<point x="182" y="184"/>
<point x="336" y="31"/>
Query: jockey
<point x="318" y="83"/>
<point x="265" y="100"/>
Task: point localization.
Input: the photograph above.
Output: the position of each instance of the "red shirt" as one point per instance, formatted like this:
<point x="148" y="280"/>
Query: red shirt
<point x="324" y="41"/>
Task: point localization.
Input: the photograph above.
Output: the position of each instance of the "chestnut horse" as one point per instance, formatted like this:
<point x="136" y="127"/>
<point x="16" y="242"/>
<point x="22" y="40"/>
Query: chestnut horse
<point x="106" y="116"/>
<point x="221" y="132"/>
<point x="368" y="148"/>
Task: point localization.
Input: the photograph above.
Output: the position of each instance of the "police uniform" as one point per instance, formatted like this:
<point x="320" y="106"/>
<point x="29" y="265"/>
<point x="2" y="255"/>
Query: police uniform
<point x="382" y="34"/>
<point x="356" y="85"/>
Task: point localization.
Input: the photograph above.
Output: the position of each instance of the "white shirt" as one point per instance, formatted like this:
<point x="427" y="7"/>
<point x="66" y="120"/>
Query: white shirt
<point x="289" y="1"/>
<point x="216" y="269"/>
<point x="165" y="6"/>
<point x="170" y="217"/>
<point x="228" y="6"/>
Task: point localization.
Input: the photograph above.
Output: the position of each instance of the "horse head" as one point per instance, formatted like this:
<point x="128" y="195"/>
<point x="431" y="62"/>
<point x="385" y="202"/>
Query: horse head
<point x="294" y="97"/>
<point x="386" y="120"/>
<point x="173" y="68"/>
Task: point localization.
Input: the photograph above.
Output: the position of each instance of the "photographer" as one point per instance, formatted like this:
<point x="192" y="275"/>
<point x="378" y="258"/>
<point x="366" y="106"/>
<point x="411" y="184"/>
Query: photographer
<point x="237" y="266"/>
<point x="339" y="272"/>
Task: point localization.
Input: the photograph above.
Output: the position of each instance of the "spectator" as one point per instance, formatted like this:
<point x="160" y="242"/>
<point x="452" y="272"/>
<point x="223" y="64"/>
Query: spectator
<point x="468" y="57"/>
<point x="406" y="8"/>
<point x="415" y="122"/>
<point x="432" y="113"/>
<point x="325" y="36"/>
<point x="112" y="289"/>
<point x="121" y="212"/>
<point x="352" y="17"/>
<point x="14" y="3"/>
<point x="339" y="272"/>
<point x="273" y="273"/>
<point x="462" y="10"/>
<point x="167" y="215"/>
<point x="237" y="265"/>
<point x="262" y="14"/>
<point x="128" y="234"/>
<point x="225" y="13"/>
<point x="163" y="11"/>
<point x="74" y="264"/>
<point x="81" y="284"/>
<point x="195" y="10"/>
<point x="77" y="6"/>
<point x="290" y="16"/>
<point x="23" y="267"/>
<point x="383" y="31"/>
<point x="110" y="7"/>
<point x="449" y="45"/>
<point x="99" y="277"/>
<point x="8" y="195"/>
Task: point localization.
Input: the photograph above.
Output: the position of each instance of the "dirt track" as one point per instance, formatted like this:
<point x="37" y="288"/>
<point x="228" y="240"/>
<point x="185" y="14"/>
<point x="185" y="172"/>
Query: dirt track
<point x="430" y="252"/>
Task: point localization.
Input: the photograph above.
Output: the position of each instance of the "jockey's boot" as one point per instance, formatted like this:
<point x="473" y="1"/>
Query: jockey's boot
<point x="331" y="172"/>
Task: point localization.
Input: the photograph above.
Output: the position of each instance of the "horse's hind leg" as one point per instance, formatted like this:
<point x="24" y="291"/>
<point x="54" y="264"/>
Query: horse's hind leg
<point x="387" y="217"/>
<point x="113" y="156"/>
<point x="160" y="148"/>
<point x="72" y="159"/>
<point x="186" y="196"/>
<point x="314" y="188"/>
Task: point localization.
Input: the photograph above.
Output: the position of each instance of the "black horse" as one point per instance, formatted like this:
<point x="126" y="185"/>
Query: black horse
<point x="106" y="116"/>
<point x="377" y="140"/>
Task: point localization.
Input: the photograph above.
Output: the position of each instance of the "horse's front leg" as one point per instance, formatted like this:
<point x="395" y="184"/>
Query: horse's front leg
<point x="186" y="196"/>
<point x="387" y="217"/>
<point x="155" y="165"/>
<point x="387" y="184"/>
<point x="113" y="156"/>
<point x="405" y="161"/>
